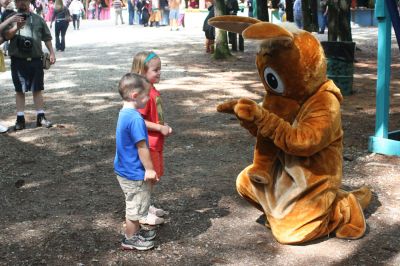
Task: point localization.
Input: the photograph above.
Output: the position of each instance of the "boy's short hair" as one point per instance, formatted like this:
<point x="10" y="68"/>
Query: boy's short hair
<point x="131" y="82"/>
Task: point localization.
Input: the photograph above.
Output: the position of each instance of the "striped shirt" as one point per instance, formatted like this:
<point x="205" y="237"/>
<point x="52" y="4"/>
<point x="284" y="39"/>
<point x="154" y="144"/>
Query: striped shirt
<point x="117" y="4"/>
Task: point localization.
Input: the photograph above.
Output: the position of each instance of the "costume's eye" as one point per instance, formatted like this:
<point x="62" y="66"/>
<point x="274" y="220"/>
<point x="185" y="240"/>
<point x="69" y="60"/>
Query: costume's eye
<point x="273" y="80"/>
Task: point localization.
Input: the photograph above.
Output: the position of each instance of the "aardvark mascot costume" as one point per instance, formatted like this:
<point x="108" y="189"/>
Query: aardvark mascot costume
<point x="296" y="173"/>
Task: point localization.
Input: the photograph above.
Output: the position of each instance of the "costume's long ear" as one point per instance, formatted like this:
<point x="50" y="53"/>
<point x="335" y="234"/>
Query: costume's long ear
<point x="268" y="31"/>
<point x="230" y="23"/>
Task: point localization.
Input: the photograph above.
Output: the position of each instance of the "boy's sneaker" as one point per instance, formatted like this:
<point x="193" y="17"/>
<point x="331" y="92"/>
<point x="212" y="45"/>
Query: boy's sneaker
<point x="156" y="211"/>
<point x="147" y="235"/>
<point x="136" y="243"/>
<point x="151" y="219"/>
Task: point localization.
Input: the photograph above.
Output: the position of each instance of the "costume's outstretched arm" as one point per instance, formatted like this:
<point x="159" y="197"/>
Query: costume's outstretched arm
<point x="228" y="107"/>
<point x="312" y="132"/>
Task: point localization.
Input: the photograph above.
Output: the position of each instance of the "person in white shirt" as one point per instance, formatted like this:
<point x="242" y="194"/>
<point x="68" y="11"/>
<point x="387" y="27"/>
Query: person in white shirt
<point x="118" y="4"/>
<point x="76" y="9"/>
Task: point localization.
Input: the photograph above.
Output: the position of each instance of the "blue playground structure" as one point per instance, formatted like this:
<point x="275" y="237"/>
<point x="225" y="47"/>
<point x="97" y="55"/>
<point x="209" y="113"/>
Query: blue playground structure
<point x="385" y="142"/>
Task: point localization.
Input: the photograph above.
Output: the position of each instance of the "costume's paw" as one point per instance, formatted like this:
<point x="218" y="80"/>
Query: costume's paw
<point x="227" y="107"/>
<point x="247" y="110"/>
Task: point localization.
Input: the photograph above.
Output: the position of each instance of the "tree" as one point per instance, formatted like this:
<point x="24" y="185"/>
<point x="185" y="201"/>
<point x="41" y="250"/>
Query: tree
<point x="261" y="9"/>
<point x="339" y="20"/>
<point x="221" y="40"/>
<point x="289" y="10"/>
<point x="310" y="15"/>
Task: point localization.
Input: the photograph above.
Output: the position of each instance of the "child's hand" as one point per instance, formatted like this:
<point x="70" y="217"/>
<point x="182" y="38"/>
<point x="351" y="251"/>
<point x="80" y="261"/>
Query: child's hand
<point x="170" y="129"/>
<point x="165" y="130"/>
<point x="151" y="176"/>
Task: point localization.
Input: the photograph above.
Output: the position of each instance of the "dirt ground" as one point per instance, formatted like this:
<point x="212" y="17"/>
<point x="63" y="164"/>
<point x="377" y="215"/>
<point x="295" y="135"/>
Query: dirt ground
<point x="60" y="203"/>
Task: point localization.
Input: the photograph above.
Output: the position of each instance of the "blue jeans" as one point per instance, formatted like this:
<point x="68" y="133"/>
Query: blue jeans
<point x="323" y="22"/>
<point x="131" y="12"/>
<point x="165" y="17"/>
<point x="299" y="22"/>
<point x="61" y="29"/>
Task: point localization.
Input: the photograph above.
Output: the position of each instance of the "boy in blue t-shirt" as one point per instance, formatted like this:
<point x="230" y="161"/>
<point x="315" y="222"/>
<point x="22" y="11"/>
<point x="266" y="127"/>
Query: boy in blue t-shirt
<point x="132" y="163"/>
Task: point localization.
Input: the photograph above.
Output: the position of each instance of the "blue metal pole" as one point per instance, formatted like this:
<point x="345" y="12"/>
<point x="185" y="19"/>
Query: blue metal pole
<point x="385" y="142"/>
<point x="384" y="58"/>
<point x="394" y="15"/>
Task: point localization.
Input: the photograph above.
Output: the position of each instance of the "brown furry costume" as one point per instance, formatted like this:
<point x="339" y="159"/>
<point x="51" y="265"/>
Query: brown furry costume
<point x="296" y="174"/>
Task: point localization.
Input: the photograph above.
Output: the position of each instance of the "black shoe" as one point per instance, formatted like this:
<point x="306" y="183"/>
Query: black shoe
<point x="20" y="123"/>
<point x="41" y="121"/>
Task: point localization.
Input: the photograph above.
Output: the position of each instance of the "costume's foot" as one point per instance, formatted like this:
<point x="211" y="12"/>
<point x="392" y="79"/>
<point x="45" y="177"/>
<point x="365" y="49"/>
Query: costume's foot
<point x="353" y="222"/>
<point x="258" y="176"/>
<point x="41" y="121"/>
<point x="20" y="123"/>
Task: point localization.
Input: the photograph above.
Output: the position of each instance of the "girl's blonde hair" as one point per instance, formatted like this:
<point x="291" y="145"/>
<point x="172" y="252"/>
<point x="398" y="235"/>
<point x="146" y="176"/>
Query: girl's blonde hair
<point x="141" y="61"/>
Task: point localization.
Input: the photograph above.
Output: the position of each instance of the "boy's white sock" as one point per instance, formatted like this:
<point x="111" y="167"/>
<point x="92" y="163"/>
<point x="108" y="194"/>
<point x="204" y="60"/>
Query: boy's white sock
<point x="20" y="114"/>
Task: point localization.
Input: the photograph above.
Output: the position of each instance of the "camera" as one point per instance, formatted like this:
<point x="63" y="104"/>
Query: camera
<point x="24" y="43"/>
<point x="24" y="15"/>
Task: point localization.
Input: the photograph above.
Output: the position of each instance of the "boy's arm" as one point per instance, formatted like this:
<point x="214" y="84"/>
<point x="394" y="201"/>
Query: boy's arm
<point x="144" y="155"/>
<point x="163" y="129"/>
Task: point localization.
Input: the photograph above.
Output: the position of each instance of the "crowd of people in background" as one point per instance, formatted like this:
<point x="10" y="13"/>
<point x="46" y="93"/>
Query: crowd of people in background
<point x="140" y="11"/>
<point x="152" y="12"/>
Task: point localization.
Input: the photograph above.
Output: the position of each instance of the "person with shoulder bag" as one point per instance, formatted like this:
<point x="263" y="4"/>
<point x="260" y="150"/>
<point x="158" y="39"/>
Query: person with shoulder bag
<point x="63" y="18"/>
<point x="26" y="60"/>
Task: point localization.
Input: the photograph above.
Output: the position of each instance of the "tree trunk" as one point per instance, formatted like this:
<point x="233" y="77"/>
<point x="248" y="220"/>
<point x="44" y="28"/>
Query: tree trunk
<point x="289" y="10"/>
<point x="262" y="10"/>
<point x="339" y="20"/>
<point x="221" y="40"/>
<point x="310" y="15"/>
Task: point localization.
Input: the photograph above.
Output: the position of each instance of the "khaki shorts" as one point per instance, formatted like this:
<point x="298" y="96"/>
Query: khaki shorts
<point x="137" y="198"/>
